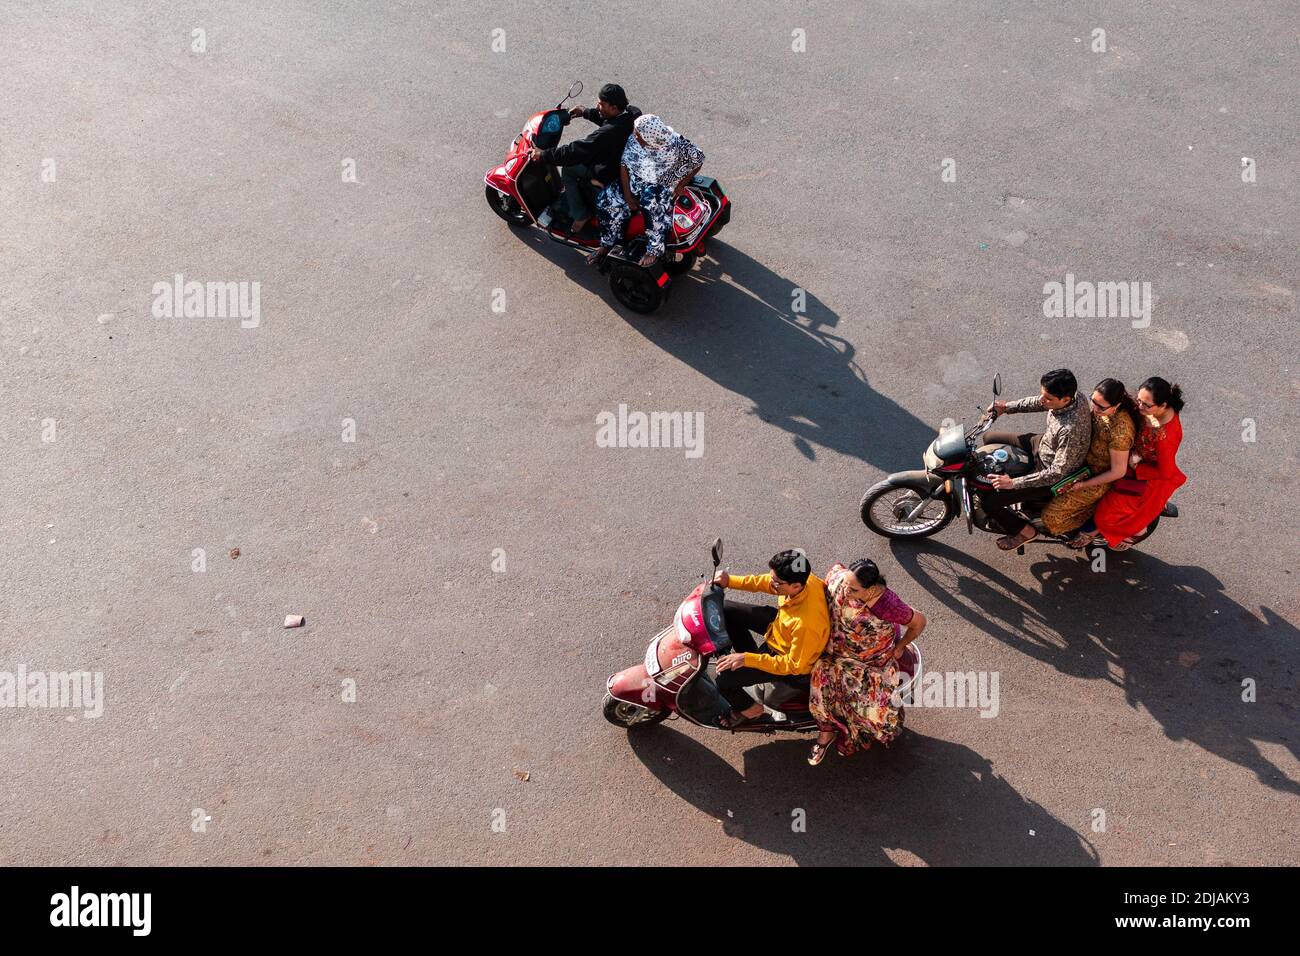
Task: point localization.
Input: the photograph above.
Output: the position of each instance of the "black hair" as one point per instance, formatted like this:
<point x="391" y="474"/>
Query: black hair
<point x="790" y="566"/>
<point x="1164" y="393"/>
<point x="1060" y="383"/>
<point x="867" y="573"/>
<point x="613" y="94"/>
<point x="1113" y="390"/>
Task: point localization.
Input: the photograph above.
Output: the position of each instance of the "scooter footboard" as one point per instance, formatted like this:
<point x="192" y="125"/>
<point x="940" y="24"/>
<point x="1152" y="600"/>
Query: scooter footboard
<point x="701" y="701"/>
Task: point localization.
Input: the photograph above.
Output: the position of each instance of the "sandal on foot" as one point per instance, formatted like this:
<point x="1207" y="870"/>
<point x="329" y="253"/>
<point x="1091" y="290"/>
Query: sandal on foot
<point x="1012" y="541"/>
<point x="736" y="719"/>
<point x="1081" y="541"/>
<point x="819" y="750"/>
<point x="596" y="256"/>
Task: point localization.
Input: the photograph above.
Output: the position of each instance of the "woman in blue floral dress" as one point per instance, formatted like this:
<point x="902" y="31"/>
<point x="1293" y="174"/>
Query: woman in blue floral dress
<point x="657" y="165"/>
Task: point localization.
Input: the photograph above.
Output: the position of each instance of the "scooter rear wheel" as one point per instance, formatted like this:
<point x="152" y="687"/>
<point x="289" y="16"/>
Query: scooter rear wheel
<point x="622" y="714"/>
<point x="677" y="267"/>
<point x="633" y="287"/>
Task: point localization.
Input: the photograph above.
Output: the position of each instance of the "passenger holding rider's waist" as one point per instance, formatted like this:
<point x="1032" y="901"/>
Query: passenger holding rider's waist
<point x="1057" y="453"/>
<point x="794" y="632"/>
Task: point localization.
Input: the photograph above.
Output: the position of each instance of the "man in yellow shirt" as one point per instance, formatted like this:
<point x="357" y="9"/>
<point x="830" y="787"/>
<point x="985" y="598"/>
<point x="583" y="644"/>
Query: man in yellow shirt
<point x="794" y="632"/>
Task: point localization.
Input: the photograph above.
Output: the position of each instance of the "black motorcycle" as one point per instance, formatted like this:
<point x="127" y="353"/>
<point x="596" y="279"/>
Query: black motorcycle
<point x="918" y="504"/>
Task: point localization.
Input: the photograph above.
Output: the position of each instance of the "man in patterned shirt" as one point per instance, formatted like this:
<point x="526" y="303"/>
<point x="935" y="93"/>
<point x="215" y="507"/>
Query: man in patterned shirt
<point x="1059" y="451"/>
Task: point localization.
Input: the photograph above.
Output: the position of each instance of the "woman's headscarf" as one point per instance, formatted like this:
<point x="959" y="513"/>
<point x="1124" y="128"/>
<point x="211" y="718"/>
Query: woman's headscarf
<point x="656" y="133"/>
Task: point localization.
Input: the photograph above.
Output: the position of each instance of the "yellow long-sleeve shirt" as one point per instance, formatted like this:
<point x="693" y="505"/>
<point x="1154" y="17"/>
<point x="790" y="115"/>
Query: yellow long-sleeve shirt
<point x="800" y="630"/>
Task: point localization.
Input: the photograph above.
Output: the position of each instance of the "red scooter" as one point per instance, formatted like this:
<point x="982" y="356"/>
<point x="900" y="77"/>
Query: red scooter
<point x="519" y="191"/>
<point x="675" y="677"/>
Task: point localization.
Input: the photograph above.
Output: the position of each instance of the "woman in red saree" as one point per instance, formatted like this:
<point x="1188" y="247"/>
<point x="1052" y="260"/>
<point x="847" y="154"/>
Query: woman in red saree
<point x="1135" y="501"/>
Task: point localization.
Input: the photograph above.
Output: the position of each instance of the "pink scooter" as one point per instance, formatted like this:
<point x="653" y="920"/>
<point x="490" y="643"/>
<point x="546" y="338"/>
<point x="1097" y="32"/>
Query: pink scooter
<point x="675" y="677"/>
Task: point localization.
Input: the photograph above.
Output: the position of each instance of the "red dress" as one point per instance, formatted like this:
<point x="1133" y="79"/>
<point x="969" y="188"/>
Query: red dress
<point x="1121" y="516"/>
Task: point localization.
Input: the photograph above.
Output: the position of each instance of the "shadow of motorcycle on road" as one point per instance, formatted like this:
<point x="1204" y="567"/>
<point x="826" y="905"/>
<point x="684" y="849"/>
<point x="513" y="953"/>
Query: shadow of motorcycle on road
<point x="1168" y="635"/>
<point x="925" y="800"/>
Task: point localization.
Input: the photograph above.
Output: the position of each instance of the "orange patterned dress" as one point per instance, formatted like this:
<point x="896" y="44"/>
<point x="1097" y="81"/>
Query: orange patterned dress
<point x="854" y="679"/>
<point x="1071" y="509"/>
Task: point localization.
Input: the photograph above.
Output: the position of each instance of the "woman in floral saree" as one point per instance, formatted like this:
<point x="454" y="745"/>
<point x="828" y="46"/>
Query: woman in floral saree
<point x="853" y="681"/>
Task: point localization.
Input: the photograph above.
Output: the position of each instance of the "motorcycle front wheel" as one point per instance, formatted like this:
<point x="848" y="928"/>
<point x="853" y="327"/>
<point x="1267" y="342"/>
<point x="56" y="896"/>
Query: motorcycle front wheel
<point x="622" y="714"/>
<point x="886" y="508"/>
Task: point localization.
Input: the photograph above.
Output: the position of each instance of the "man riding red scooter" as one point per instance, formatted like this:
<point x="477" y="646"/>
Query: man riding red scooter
<point x="794" y="633"/>
<point x="590" y="164"/>
<point x="528" y="183"/>
<point x="675" y="679"/>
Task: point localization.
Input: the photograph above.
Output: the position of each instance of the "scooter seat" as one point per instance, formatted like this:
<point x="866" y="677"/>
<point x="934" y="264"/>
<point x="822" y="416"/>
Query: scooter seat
<point x="780" y="695"/>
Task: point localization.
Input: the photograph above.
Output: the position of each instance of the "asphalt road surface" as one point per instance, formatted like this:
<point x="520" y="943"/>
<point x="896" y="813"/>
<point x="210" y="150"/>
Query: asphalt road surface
<point x="474" y="566"/>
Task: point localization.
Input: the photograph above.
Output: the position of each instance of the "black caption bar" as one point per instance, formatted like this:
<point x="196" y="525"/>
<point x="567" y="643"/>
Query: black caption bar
<point x="330" y="905"/>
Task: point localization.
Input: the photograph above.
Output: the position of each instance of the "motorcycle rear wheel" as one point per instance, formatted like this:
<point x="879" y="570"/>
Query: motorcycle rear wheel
<point x="622" y="714"/>
<point x="882" y="502"/>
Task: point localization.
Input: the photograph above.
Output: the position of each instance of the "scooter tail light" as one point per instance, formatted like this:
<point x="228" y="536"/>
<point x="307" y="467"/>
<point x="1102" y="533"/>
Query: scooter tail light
<point x="682" y="221"/>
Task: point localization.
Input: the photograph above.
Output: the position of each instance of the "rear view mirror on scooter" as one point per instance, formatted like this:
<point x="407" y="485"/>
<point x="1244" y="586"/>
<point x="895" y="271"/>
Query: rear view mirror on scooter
<point x="997" y="385"/>
<point x="574" y="90"/>
<point x="717" y="553"/>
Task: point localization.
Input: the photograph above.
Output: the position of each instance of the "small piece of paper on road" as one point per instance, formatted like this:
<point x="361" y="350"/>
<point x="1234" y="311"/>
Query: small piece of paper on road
<point x="293" y="620"/>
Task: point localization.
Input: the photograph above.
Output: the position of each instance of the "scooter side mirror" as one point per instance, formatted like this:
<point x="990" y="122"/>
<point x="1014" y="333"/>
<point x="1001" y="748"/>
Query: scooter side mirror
<point x="717" y="552"/>
<point x="997" y="385"/>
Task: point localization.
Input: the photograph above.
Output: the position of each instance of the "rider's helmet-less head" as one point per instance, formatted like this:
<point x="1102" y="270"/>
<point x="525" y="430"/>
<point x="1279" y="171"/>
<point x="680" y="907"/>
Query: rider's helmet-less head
<point x="790" y="566"/>
<point x="613" y="94"/>
<point x="1060" y="383"/>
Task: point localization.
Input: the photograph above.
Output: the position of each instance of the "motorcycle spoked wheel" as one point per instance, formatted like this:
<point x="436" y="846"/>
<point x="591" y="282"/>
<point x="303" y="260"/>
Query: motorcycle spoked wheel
<point x="883" y="501"/>
<point x="622" y="714"/>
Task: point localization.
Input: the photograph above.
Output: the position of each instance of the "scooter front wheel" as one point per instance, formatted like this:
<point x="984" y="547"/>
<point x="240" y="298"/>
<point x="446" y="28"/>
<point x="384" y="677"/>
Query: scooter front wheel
<point x="620" y="713"/>
<point x="507" y="207"/>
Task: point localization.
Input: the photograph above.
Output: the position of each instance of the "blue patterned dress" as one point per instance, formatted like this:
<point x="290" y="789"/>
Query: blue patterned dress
<point x="651" y="174"/>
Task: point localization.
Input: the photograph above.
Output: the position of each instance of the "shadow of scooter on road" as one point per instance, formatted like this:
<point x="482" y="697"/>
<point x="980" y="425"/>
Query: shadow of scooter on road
<point x="931" y="799"/>
<point x="734" y="321"/>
